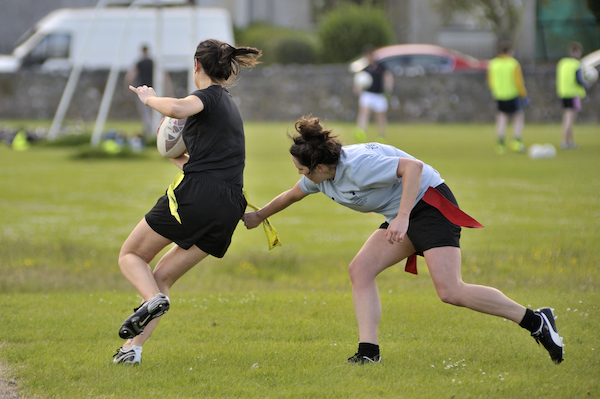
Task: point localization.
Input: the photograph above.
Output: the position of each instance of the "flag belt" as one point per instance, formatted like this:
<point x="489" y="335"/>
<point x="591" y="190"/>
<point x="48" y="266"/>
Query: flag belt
<point x="450" y="211"/>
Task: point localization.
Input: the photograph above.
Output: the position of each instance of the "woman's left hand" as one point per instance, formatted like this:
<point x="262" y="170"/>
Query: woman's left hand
<point x="143" y="92"/>
<point x="397" y="229"/>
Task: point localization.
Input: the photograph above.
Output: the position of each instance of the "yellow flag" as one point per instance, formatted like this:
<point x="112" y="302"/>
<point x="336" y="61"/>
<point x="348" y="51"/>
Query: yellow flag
<point x="270" y="231"/>
<point x="173" y="205"/>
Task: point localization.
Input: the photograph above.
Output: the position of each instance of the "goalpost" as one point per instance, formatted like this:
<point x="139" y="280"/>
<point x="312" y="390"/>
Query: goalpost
<point x="158" y="70"/>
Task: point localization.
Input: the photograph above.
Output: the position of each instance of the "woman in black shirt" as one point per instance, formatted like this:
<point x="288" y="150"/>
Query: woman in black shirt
<point x="203" y="206"/>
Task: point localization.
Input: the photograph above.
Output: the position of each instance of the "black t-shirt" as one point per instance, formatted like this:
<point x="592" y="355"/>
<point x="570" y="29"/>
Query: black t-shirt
<point x="215" y="139"/>
<point x="376" y="71"/>
<point x="144" y="75"/>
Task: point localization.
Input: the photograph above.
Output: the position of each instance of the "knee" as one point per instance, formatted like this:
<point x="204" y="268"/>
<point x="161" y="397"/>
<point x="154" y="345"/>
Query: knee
<point x="450" y="295"/>
<point x="358" y="274"/>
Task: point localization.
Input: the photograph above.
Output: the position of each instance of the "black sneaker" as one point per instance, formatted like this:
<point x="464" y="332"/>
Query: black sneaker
<point x="131" y="356"/>
<point x="362" y="359"/>
<point x="548" y="335"/>
<point x="149" y="310"/>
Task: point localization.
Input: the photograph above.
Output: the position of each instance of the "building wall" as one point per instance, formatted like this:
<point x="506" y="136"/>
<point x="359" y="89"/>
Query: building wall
<point x="281" y="93"/>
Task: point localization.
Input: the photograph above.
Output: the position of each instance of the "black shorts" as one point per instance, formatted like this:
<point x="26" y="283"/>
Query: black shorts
<point x="428" y="228"/>
<point x="209" y="211"/>
<point x="574" y="103"/>
<point x="510" y="106"/>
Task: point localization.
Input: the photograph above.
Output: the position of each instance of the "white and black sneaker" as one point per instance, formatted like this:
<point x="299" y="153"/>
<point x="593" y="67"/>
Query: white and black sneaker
<point x="547" y="334"/>
<point x="362" y="359"/>
<point x="144" y="314"/>
<point x="131" y="356"/>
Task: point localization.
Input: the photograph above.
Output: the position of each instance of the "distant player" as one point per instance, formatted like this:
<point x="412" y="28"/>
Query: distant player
<point x="374" y="97"/>
<point x="140" y="74"/>
<point x="506" y="82"/>
<point x="570" y="87"/>
<point x="421" y="218"/>
<point x="204" y="205"/>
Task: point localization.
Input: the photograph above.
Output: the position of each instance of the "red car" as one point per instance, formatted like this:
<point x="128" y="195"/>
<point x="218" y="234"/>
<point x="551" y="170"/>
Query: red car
<point x="418" y="59"/>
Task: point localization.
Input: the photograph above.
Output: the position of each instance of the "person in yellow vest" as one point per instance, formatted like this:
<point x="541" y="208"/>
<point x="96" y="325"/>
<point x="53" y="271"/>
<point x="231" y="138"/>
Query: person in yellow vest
<point x="505" y="79"/>
<point x="570" y="87"/>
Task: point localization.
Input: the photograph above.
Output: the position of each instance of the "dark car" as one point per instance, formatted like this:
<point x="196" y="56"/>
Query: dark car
<point x="418" y="59"/>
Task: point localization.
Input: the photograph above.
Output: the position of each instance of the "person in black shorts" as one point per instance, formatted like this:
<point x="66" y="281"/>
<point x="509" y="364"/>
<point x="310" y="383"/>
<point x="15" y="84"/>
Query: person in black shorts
<point x="421" y="218"/>
<point x="505" y="79"/>
<point x="208" y="199"/>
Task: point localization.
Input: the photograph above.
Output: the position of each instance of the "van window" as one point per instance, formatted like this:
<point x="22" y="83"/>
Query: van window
<point x="55" y="45"/>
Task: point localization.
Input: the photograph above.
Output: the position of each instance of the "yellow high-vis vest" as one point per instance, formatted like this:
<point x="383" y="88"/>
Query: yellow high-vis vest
<point x="505" y="78"/>
<point x="566" y="79"/>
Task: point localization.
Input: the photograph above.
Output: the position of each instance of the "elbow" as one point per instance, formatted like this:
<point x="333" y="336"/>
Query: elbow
<point x="418" y="165"/>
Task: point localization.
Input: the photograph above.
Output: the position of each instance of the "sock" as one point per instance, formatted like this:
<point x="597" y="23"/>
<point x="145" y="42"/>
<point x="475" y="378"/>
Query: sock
<point x="501" y="140"/>
<point x="367" y="349"/>
<point x="531" y="321"/>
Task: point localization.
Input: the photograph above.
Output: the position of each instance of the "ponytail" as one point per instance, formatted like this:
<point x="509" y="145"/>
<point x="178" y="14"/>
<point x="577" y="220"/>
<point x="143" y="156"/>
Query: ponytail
<point x="221" y="60"/>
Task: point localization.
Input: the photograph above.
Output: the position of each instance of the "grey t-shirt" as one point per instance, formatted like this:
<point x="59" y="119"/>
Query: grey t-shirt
<point x="366" y="180"/>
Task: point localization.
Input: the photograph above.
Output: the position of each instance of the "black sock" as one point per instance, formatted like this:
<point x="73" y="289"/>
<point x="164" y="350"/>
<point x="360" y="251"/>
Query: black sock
<point x="367" y="349"/>
<point x="531" y="321"/>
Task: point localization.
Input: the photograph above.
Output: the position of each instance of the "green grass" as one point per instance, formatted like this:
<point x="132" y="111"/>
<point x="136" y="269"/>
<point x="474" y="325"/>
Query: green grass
<point x="280" y="323"/>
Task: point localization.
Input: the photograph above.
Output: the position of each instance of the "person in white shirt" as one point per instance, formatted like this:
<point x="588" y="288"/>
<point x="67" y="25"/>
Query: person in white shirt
<point x="421" y="218"/>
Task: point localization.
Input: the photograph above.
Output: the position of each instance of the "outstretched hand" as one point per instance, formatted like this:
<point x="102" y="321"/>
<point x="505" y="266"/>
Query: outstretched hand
<point x="143" y="92"/>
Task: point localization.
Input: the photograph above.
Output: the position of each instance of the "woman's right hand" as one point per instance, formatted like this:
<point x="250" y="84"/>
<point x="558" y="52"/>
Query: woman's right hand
<point x="251" y="220"/>
<point x="143" y="92"/>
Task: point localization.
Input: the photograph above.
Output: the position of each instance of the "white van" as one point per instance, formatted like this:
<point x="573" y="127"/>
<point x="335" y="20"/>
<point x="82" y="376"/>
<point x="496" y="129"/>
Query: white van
<point x="118" y="34"/>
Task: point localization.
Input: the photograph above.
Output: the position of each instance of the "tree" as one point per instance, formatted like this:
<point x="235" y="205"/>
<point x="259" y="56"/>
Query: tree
<point x="503" y="17"/>
<point x="594" y="7"/>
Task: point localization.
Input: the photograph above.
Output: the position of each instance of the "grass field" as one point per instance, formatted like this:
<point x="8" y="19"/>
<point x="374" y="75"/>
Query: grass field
<point x="280" y="323"/>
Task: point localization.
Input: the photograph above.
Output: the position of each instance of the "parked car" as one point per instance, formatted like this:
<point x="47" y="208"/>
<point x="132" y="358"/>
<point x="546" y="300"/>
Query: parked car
<point x="418" y="59"/>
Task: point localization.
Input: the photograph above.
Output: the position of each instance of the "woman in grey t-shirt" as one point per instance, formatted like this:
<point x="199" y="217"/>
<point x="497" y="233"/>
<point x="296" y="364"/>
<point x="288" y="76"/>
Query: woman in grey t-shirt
<point x="421" y="218"/>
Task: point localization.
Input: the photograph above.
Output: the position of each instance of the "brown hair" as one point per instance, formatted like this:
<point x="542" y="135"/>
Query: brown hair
<point x="314" y="145"/>
<point x="221" y="60"/>
<point x="575" y="47"/>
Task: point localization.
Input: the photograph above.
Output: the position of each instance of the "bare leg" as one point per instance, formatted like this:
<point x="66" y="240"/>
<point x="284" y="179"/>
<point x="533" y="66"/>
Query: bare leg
<point x="568" y="120"/>
<point x="363" y="117"/>
<point x="518" y="124"/>
<point x="444" y="266"/>
<point x="138" y="250"/>
<point x="501" y="123"/>
<point x="376" y="255"/>
<point x="381" y="122"/>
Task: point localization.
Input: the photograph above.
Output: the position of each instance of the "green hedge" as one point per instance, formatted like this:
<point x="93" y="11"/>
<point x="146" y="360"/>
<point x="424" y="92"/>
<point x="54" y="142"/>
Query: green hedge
<point x="345" y="31"/>
<point x="279" y="45"/>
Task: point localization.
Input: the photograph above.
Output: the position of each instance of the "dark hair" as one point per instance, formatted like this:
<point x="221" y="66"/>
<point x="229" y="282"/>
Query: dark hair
<point x="504" y="46"/>
<point x="314" y="145"/>
<point x="221" y="60"/>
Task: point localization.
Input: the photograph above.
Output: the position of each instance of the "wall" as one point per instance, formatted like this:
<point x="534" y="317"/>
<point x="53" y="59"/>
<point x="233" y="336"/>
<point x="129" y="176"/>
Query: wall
<point x="285" y="93"/>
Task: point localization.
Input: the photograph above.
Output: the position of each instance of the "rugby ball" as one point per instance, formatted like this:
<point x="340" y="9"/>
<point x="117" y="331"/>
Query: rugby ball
<point x="590" y="75"/>
<point x="169" y="137"/>
<point x="363" y="79"/>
